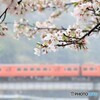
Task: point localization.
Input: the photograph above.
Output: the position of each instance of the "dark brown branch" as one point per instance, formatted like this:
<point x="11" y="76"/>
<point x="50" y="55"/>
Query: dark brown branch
<point x="3" y="14"/>
<point x="20" y="1"/>
<point x="95" y="29"/>
<point x="77" y="41"/>
<point x="58" y="29"/>
<point x="88" y="34"/>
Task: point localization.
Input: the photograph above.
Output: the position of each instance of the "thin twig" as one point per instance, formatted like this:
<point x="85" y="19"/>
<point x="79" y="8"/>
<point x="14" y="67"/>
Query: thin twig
<point x="88" y="34"/>
<point x="5" y="12"/>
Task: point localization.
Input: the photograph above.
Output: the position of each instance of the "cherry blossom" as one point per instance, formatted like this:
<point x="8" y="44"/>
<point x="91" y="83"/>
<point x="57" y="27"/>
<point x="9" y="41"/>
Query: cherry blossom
<point x="37" y="51"/>
<point x="86" y="12"/>
<point x="3" y="29"/>
<point x="23" y="28"/>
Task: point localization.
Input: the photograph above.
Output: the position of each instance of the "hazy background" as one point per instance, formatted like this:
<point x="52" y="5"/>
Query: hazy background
<point x="22" y="51"/>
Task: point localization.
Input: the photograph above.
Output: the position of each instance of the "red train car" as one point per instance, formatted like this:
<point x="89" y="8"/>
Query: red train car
<point x="90" y="70"/>
<point x="39" y="70"/>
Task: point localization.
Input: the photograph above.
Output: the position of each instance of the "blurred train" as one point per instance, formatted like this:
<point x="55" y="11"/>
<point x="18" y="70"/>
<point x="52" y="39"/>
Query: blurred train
<point x="68" y="70"/>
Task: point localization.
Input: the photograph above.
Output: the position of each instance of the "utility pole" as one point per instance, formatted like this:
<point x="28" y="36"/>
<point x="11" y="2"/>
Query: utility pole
<point x="96" y="96"/>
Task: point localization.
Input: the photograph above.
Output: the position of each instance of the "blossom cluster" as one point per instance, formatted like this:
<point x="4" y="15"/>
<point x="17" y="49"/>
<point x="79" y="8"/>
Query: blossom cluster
<point x="53" y="37"/>
<point x="23" y="28"/>
<point x="3" y="29"/>
<point x="32" y="5"/>
<point x="87" y="12"/>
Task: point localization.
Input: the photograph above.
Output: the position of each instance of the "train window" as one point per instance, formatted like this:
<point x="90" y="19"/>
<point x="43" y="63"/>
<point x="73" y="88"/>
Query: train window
<point x="68" y="69"/>
<point x="92" y="69"/>
<point x="32" y="69"/>
<point x="25" y="69"/>
<point x="38" y="69"/>
<point x="85" y="69"/>
<point x="45" y="69"/>
<point x="75" y="69"/>
<point x="19" y="69"/>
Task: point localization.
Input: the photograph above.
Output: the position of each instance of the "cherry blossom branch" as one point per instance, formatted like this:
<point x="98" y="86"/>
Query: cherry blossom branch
<point x="92" y="30"/>
<point x="78" y="39"/>
<point x="5" y="12"/>
<point x="20" y="1"/>
<point x="64" y="29"/>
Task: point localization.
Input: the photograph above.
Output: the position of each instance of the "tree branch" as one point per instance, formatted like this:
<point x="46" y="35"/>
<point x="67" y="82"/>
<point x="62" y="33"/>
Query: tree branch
<point x="77" y="41"/>
<point x="20" y="1"/>
<point x="88" y="34"/>
<point x="5" y="12"/>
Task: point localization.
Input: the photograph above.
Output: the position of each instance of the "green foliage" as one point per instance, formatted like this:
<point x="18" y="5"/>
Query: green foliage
<point x="65" y="38"/>
<point x="76" y="3"/>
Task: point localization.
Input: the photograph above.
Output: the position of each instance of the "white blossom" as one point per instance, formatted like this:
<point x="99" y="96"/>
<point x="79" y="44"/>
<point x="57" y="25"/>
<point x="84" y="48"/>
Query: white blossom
<point x="36" y="51"/>
<point x="3" y="29"/>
